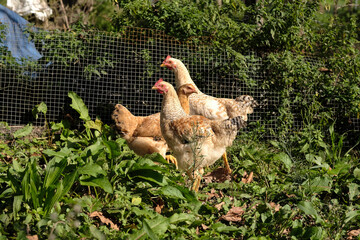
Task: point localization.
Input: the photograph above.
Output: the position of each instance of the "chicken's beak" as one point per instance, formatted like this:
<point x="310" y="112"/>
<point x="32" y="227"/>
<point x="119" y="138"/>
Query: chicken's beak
<point x="162" y="65"/>
<point x="154" y="88"/>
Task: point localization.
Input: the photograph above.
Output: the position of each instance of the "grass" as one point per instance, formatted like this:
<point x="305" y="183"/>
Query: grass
<point x="88" y="184"/>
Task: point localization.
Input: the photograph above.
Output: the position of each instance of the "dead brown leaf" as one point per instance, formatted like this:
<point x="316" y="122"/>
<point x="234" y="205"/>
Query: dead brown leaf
<point x="324" y="69"/>
<point x="212" y="194"/>
<point x="247" y="178"/>
<point x="33" y="237"/>
<point x="219" y="206"/>
<point x="233" y="215"/>
<point x="275" y="206"/>
<point x="204" y="226"/>
<point x="104" y="219"/>
<point x="159" y="205"/>
<point x="353" y="233"/>
<point x="218" y="175"/>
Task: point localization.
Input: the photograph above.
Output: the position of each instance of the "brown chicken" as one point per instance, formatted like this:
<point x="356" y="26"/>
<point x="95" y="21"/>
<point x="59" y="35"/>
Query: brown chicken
<point x="195" y="140"/>
<point x="142" y="134"/>
<point x="208" y="106"/>
<point x="183" y="93"/>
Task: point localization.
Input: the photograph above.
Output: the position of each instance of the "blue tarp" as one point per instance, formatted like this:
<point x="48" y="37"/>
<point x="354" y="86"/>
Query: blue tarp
<point x="17" y="40"/>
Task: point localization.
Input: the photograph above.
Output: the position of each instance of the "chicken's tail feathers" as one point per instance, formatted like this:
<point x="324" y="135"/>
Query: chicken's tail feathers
<point x="247" y="100"/>
<point x="238" y="121"/>
<point x="233" y="124"/>
<point x="119" y="111"/>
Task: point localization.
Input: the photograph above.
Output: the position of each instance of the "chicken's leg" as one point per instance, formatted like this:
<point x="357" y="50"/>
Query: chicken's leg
<point x="172" y="159"/>
<point x="227" y="167"/>
<point x="197" y="180"/>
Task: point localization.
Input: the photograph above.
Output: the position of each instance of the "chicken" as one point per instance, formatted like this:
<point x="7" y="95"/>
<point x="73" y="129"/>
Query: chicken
<point x="142" y="134"/>
<point x="183" y="92"/>
<point x="195" y="140"/>
<point x="208" y="106"/>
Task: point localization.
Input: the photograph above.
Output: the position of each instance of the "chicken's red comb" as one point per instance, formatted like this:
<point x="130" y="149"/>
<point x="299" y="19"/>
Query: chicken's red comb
<point x="159" y="81"/>
<point x="167" y="58"/>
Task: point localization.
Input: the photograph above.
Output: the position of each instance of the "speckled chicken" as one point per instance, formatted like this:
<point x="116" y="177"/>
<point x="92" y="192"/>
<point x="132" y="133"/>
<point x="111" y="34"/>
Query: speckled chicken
<point x="195" y="140"/>
<point x="208" y="106"/>
<point x="142" y="134"/>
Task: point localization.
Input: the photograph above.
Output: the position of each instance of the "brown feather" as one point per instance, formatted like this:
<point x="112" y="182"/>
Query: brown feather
<point x="143" y="134"/>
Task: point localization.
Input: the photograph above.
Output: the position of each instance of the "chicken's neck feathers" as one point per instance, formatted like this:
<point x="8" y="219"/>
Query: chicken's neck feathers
<point x="182" y="76"/>
<point x="171" y="108"/>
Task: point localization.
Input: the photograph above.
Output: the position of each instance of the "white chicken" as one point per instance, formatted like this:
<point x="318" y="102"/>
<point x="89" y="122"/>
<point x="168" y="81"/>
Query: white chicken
<point x="195" y="140"/>
<point x="208" y="106"/>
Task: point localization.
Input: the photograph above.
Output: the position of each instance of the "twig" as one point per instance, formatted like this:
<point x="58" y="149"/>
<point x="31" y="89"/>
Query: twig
<point x="65" y="16"/>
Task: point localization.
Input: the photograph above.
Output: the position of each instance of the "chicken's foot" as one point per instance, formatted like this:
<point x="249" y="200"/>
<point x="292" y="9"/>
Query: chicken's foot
<point x="197" y="180"/>
<point x="171" y="159"/>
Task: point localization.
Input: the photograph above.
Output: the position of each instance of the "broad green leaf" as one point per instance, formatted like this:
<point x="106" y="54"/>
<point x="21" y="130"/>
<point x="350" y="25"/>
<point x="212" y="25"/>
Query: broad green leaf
<point x="35" y="184"/>
<point x="353" y="190"/>
<point x="112" y="148"/>
<point x="92" y="169"/>
<point x="53" y="171"/>
<point x="350" y="215"/>
<point x="156" y="157"/>
<point x="188" y="194"/>
<point x="313" y="233"/>
<point x="79" y="105"/>
<point x="172" y="192"/>
<point x="220" y="227"/>
<point x="102" y="182"/>
<point x="40" y="108"/>
<point x="7" y="193"/>
<point x="308" y="208"/>
<point x="158" y="227"/>
<point x="150" y="175"/>
<point x="320" y="184"/>
<point x="28" y="219"/>
<point x="96" y="233"/>
<point x="14" y="183"/>
<point x="318" y="160"/>
<point x="68" y="181"/>
<point x="283" y="157"/>
<point x="57" y="126"/>
<point x="64" y="152"/>
<point x="149" y="231"/>
<point x="182" y="217"/>
<point x="93" y="150"/>
<point x="22" y="132"/>
<point x="17" y="205"/>
<point x="25" y="185"/>
<point x="53" y="196"/>
<point x="97" y="125"/>
<point x="4" y="125"/>
<point x="305" y="148"/>
<point x="340" y="168"/>
<point x="357" y="173"/>
<point x="17" y="166"/>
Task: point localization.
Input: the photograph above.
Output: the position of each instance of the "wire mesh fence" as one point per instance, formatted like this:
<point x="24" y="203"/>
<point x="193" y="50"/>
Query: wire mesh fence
<point x="109" y="68"/>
